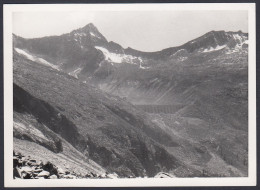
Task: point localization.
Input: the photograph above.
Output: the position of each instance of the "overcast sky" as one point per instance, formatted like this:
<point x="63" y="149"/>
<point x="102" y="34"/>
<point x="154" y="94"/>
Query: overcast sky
<point x="143" y="30"/>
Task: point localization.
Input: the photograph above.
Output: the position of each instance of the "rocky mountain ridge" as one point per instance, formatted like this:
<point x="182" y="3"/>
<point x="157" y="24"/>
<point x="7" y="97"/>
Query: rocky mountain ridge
<point x="83" y="51"/>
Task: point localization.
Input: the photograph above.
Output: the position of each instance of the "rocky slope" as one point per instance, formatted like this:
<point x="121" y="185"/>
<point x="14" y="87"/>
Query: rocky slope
<point x="25" y="167"/>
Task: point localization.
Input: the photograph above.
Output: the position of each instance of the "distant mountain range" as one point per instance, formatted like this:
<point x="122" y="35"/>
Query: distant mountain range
<point x="82" y="51"/>
<point x="181" y="110"/>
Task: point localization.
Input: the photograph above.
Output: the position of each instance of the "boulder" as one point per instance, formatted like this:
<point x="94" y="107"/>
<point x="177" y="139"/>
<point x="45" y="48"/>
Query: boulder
<point x="44" y="174"/>
<point x="32" y="160"/>
<point x="26" y="169"/>
<point x="50" y="168"/>
<point x="27" y="175"/>
<point x="15" y="162"/>
<point x="164" y="175"/>
<point x="103" y="175"/>
<point x="18" y="154"/>
<point x="17" y="173"/>
<point x="69" y="177"/>
<point x="88" y="176"/>
<point x="94" y="175"/>
<point x="53" y="177"/>
<point x="38" y="170"/>
<point x="23" y="162"/>
<point x="40" y="163"/>
<point x="39" y="177"/>
<point x="60" y="171"/>
<point x="112" y="176"/>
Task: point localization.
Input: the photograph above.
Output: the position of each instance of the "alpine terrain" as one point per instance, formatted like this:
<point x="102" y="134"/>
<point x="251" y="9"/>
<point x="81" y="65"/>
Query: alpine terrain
<point x="90" y="107"/>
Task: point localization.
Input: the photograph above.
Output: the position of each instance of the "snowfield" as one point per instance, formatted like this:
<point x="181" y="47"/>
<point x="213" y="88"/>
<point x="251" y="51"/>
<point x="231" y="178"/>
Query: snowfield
<point x="214" y="49"/>
<point x="93" y="35"/>
<point x="35" y="58"/>
<point x="119" y="58"/>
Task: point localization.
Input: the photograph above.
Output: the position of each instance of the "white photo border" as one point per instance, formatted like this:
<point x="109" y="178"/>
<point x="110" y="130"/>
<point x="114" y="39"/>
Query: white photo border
<point x="8" y="10"/>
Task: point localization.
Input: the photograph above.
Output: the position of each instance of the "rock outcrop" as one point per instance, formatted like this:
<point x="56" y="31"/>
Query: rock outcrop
<point x="26" y="168"/>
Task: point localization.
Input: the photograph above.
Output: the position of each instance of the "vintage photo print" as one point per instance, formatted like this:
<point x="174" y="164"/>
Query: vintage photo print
<point x="107" y="95"/>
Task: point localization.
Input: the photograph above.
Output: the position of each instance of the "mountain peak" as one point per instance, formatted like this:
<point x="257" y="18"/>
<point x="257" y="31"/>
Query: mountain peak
<point x="91" y="31"/>
<point x="215" y="39"/>
<point x="90" y="26"/>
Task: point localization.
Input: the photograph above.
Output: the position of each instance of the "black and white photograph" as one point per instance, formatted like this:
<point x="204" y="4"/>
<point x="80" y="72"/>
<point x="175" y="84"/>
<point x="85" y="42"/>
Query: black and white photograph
<point x="121" y="95"/>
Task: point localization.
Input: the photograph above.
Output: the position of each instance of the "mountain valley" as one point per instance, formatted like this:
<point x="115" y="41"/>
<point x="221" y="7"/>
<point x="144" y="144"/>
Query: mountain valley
<point x="182" y="110"/>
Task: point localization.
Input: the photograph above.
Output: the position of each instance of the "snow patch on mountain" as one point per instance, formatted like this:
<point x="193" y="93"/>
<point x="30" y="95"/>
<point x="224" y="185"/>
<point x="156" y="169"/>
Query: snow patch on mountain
<point x="80" y="34"/>
<point x="143" y="67"/>
<point x="239" y="38"/>
<point x="29" y="129"/>
<point x="119" y="58"/>
<point x="113" y="57"/>
<point x="75" y="72"/>
<point x="214" y="49"/>
<point x="35" y="58"/>
<point x="237" y="48"/>
<point x="24" y="53"/>
<point x="93" y="35"/>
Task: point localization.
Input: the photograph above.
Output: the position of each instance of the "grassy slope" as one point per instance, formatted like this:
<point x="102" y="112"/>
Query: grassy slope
<point x="107" y="129"/>
<point x="219" y="152"/>
<point x="211" y="91"/>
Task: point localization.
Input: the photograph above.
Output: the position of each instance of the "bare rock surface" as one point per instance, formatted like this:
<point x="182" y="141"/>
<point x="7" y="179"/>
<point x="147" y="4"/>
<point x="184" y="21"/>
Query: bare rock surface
<point x="25" y="170"/>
